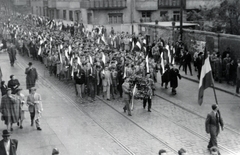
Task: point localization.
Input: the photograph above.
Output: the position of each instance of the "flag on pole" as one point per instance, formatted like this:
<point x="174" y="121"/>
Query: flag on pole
<point x="103" y="58"/>
<point x="139" y="45"/>
<point x="162" y="63"/>
<point x="90" y="59"/>
<point x="39" y="50"/>
<point x="206" y="78"/>
<point x="147" y="65"/>
<point x="66" y="54"/>
<point x="134" y="93"/>
<point x="69" y="49"/>
<point x="79" y="61"/>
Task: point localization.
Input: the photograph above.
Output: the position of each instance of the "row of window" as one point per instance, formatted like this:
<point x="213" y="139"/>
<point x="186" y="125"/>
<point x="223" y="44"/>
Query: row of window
<point x="146" y="15"/>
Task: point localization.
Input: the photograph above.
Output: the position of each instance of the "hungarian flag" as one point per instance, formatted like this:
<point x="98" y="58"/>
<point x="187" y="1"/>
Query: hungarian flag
<point x="206" y="78"/>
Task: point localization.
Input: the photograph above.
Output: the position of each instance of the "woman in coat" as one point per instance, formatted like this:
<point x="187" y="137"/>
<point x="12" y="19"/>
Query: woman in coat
<point x="32" y="76"/>
<point x="173" y="77"/>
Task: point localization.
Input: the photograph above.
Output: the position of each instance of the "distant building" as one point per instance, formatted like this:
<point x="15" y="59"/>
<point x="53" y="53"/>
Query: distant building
<point x="102" y="12"/>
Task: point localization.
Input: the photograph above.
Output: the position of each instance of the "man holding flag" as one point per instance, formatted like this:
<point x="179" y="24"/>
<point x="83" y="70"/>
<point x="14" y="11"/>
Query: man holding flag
<point x="214" y="118"/>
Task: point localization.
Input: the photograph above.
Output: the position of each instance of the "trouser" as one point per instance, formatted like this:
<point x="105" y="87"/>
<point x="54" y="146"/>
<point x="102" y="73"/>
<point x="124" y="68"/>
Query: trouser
<point x="32" y="116"/>
<point x="213" y="140"/>
<point x="80" y="89"/>
<point x="91" y="90"/>
<point x="127" y="105"/>
<point x="37" y="120"/>
<point x="149" y="101"/>
<point x="237" y="86"/>
<point x="120" y="89"/>
<point x="189" y="66"/>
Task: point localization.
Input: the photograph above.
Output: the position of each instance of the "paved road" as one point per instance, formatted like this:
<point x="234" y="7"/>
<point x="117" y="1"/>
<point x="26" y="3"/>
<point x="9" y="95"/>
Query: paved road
<point x="102" y="127"/>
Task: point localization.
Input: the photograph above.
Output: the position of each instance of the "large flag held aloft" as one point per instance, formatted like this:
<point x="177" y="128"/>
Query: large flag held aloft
<point x="206" y="79"/>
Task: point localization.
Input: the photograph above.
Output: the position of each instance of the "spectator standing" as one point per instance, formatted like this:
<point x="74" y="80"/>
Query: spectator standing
<point x="188" y="60"/>
<point x="126" y="96"/>
<point x="12" y="54"/>
<point x="8" y="146"/>
<point x="173" y="78"/>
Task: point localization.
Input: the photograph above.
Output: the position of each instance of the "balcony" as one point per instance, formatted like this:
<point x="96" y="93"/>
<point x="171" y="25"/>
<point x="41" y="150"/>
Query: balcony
<point x="143" y="5"/>
<point x="104" y="5"/>
<point x="166" y="4"/>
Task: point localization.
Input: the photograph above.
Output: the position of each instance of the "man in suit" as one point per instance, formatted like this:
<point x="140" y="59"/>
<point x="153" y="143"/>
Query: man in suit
<point x="8" y="146"/>
<point x="12" y="54"/>
<point x="13" y="84"/>
<point x="35" y="107"/>
<point x="106" y="82"/>
<point x="212" y="123"/>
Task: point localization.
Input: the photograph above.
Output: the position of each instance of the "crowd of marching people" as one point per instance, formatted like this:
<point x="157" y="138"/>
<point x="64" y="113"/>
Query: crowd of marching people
<point x="100" y="63"/>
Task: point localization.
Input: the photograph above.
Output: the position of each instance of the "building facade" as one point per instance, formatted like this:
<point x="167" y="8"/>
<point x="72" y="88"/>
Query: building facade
<point x="102" y="12"/>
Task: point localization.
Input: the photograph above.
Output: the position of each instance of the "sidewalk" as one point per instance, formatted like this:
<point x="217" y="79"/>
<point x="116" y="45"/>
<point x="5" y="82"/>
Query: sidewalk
<point x="219" y="86"/>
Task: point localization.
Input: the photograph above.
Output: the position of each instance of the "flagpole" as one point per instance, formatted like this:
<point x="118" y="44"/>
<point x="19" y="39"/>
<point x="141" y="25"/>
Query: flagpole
<point x="215" y="93"/>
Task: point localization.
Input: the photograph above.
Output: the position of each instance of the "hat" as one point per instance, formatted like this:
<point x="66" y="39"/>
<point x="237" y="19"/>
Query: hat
<point x="5" y="133"/>
<point x="33" y="88"/>
<point x="30" y="63"/>
<point x="55" y="151"/>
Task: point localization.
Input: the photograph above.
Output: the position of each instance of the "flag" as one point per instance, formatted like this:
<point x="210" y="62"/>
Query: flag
<point x="90" y="59"/>
<point x="162" y="63"/>
<point x="147" y="65"/>
<point x="134" y="93"/>
<point x="169" y="54"/>
<point x="66" y="54"/>
<point x="103" y="58"/>
<point x="104" y="40"/>
<point x="206" y="78"/>
<point x="139" y="45"/>
<point x="39" y="50"/>
<point x="79" y="61"/>
<point x="69" y="49"/>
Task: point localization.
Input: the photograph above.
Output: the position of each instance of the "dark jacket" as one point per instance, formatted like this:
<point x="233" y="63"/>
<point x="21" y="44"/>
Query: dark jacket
<point x="213" y="123"/>
<point x="12" y="84"/>
<point x="13" y="147"/>
<point x="173" y="77"/>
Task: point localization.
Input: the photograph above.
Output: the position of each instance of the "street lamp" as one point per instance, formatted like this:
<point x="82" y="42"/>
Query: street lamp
<point x="173" y="25"/>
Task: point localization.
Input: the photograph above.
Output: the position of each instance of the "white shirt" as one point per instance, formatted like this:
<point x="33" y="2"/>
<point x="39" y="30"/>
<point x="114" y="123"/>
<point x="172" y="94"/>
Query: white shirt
<point x="7" y="147"/>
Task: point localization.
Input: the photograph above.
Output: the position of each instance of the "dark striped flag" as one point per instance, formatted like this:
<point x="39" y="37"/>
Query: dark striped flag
<point x="206" y="78"/>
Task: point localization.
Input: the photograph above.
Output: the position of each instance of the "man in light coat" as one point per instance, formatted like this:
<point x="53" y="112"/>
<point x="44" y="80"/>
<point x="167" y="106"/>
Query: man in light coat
<point x="106" y="82"/>
<point x="35" y="108"/>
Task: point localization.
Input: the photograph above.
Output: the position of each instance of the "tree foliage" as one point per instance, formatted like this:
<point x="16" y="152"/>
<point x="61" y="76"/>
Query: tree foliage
<point x="224" y="17"/>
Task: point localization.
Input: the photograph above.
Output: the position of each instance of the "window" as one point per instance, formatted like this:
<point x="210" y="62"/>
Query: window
<point x="176" y="15"/>
<point x="163" y="13"/>
<point x="71" y="15"/>
<point x="64" y="14"/>
<point x="90" y="20"/>
<point x="115" y="18"/>
<point x="146" y="16"/>
<point x="57" y="14"/>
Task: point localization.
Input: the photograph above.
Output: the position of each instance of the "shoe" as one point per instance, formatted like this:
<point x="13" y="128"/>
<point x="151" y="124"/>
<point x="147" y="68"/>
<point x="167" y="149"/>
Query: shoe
<point x="108" y="99"/>
<point x="143" y="107"/>
<point x="124" y="109"/>
<point x="17" y="123"/>
<point x="129" y="114"/>
<point x="38" y="128"/>
<point x="166" y="87"/>
<point x="21" y="127"/>
<point x="149" y="110"/>
<point x="32" y="123"/>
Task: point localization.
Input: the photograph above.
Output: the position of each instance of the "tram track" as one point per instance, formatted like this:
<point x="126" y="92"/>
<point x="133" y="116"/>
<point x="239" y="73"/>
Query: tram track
<point x="69" y="100"/>
<point x="190" y="130"/>
<point x="51" y="86"/>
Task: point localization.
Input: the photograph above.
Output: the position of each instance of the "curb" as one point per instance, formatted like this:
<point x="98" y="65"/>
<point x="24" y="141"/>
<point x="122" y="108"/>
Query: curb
<point x="217" y="88"/>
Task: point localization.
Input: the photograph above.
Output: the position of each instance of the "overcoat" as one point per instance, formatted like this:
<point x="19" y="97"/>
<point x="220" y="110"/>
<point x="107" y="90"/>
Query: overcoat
<point x="173" y="77"/>
<point x="13" y="147"/>
<point x="31" y="78"/>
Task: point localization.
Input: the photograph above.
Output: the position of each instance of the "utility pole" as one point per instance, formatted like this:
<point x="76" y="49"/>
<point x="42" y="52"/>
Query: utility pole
<point x="132" y="1"/>
<point x="181" y="19"/>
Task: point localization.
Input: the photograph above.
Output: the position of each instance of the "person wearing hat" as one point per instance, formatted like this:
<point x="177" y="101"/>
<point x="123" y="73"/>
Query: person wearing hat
<point x="8" y="146"/>
<point x="34" y="101"/>
<point x="9" y="115"/>
<point x="212" y="125"/>
<point x="32" y="76"/>
<point x="55" y="151"/>
<point x="13" y="83"/>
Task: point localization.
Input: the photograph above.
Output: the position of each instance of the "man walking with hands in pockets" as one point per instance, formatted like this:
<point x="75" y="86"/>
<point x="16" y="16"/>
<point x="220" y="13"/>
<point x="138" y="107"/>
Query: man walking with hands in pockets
<point x="35" y="107"/>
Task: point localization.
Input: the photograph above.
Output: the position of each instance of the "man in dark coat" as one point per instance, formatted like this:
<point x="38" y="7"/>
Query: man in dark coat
<point x="8" y="146"/>
<point x="12" y="54"/>
<point x="212" y="124"/>
<point x="173" y="78"/>
<point x="32" y="76"/>
<point x="13" y="84"/>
